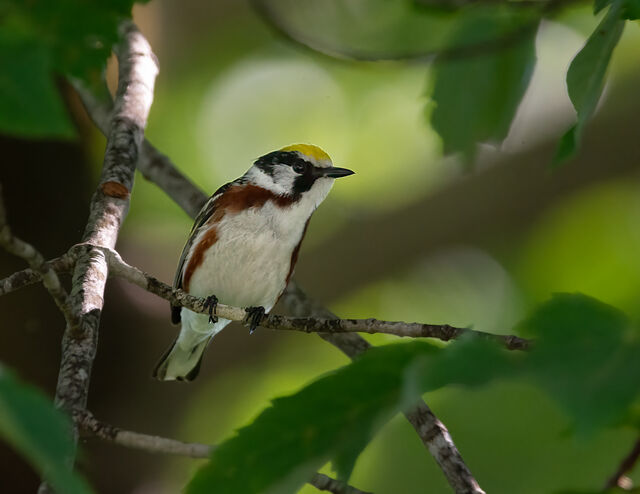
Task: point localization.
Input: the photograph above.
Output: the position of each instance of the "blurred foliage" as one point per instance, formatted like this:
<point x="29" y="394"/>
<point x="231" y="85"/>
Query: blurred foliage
<point x="332" y="418"/>
<point x="482" y="111"/>
<point x="586" y="76"/>
<point x="588" y="243"/>
<point x="254" y="95"/>
<point x="585" y="356"/>
<point x="30" y="423"/>
<point x="477" y="93"/>
<point x="39" y="40"/>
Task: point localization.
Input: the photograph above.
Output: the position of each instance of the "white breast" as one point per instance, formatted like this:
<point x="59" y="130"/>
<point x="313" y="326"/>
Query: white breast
<point x="249" y="263"/>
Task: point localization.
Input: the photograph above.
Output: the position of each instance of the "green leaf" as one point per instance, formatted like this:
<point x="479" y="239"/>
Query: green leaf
<point x="585" y="77"/>
<point x="630" y="9"/>
<point x="29" y="101"/>
<point x="598" y="5"/>
<point x="41" y="40"/>
<point x="477" y="96"/>
<point x="586" y="356"/>
<point x="30" y="423"/>
<point x="334" y="417"/>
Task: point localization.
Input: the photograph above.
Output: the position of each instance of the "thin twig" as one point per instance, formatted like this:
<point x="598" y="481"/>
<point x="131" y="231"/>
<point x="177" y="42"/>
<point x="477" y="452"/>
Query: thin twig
<point x="306" y="324"/>
<point x="27" y="277"/>
<point x="323" y="482"/>
<point x="326" y="324"/>
<point x="109" y="205"/>
<point x="152" y="444"/>
<point x="627" y="463"/>
<point x="162" y="445"/>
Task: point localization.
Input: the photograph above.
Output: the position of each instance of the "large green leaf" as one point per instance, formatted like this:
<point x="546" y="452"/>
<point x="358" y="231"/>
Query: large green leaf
<point x="630" y="9"/>
<point x="586" y="356"/>
<point x="40" y="40"/>
<point x="477" y="96"/>
<point x="334" y="417"/>
<point x="585" y="77"/>
<point x="30" y="423"/>
<point x="29" y="101"/>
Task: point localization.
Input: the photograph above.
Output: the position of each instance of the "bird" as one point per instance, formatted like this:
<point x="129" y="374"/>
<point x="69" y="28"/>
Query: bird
<point x="244" y="246"/>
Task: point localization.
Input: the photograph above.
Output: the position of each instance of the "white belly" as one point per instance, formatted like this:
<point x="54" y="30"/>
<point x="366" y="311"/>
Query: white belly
<point x="249" y="263"/>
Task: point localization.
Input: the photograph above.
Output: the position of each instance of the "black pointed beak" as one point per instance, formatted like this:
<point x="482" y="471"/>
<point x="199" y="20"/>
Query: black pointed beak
<point x="335" y="172"/>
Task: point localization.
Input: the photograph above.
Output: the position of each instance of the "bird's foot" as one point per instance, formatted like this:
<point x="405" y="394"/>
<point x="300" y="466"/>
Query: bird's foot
<point x="254" y="317"/>
<point x="211" y="303"/>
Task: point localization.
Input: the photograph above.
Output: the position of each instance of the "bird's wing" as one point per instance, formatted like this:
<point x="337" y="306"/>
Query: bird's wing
<point x="205" y="213"/>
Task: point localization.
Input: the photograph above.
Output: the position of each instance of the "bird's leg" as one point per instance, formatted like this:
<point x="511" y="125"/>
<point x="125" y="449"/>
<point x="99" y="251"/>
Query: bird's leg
<point x="211" y="302"/>
<point x="254" y="317"/>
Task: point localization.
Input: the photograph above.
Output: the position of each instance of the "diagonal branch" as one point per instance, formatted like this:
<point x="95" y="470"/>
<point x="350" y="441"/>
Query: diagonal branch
<point x="157" y="444"/>
<point x="26" y="277"/>
<point x="109" y="205"/>
<point x="627" y="463"/>
<point x="432" y="431"/>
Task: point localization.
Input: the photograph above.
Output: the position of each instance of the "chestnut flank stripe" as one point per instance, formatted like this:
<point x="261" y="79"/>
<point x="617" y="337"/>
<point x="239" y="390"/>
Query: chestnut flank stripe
<point x="235" y="199"/>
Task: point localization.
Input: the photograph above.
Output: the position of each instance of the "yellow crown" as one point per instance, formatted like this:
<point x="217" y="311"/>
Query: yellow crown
<point x="308" y="150"/>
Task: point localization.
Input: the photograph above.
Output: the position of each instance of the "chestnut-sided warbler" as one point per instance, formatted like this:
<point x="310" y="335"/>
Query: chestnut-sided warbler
<point x="244" y="245"/>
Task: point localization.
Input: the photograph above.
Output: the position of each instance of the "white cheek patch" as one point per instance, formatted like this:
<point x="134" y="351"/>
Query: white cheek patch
<point x="280" y="183"/>
<point x="284" y="177"/>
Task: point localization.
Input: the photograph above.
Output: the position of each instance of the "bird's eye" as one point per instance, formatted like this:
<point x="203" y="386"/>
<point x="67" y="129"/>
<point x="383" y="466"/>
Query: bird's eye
<point x="299" y="166"/>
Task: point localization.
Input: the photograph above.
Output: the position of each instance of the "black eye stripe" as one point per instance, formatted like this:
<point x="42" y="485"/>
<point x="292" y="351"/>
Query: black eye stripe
<point x="291" y="158"/>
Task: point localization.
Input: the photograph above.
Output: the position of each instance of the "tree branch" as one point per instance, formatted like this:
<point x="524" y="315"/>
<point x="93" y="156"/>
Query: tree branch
<point x="627" y="463"/>
<point x="157" y="444"/>
<point x="145" y="442"/>
<point x="323" y="482"/>
<point x="26" y="277"/>
<point x="109" y="205"/>
<point x="327" y="325"/>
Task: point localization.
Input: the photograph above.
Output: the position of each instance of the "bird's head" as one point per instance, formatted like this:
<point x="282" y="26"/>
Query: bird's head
<point x="299" y="170"/>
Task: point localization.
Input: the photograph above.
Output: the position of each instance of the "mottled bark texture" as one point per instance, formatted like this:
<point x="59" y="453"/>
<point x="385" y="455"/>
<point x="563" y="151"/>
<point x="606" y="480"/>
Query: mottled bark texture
<point x="29" y="276"/>
<point x="109" y="205"/>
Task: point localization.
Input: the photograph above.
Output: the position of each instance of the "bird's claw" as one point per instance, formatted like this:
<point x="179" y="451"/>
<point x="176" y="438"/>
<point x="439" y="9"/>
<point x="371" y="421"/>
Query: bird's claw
<point x="254" y="317"/>
<point x="211" y="303"/>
